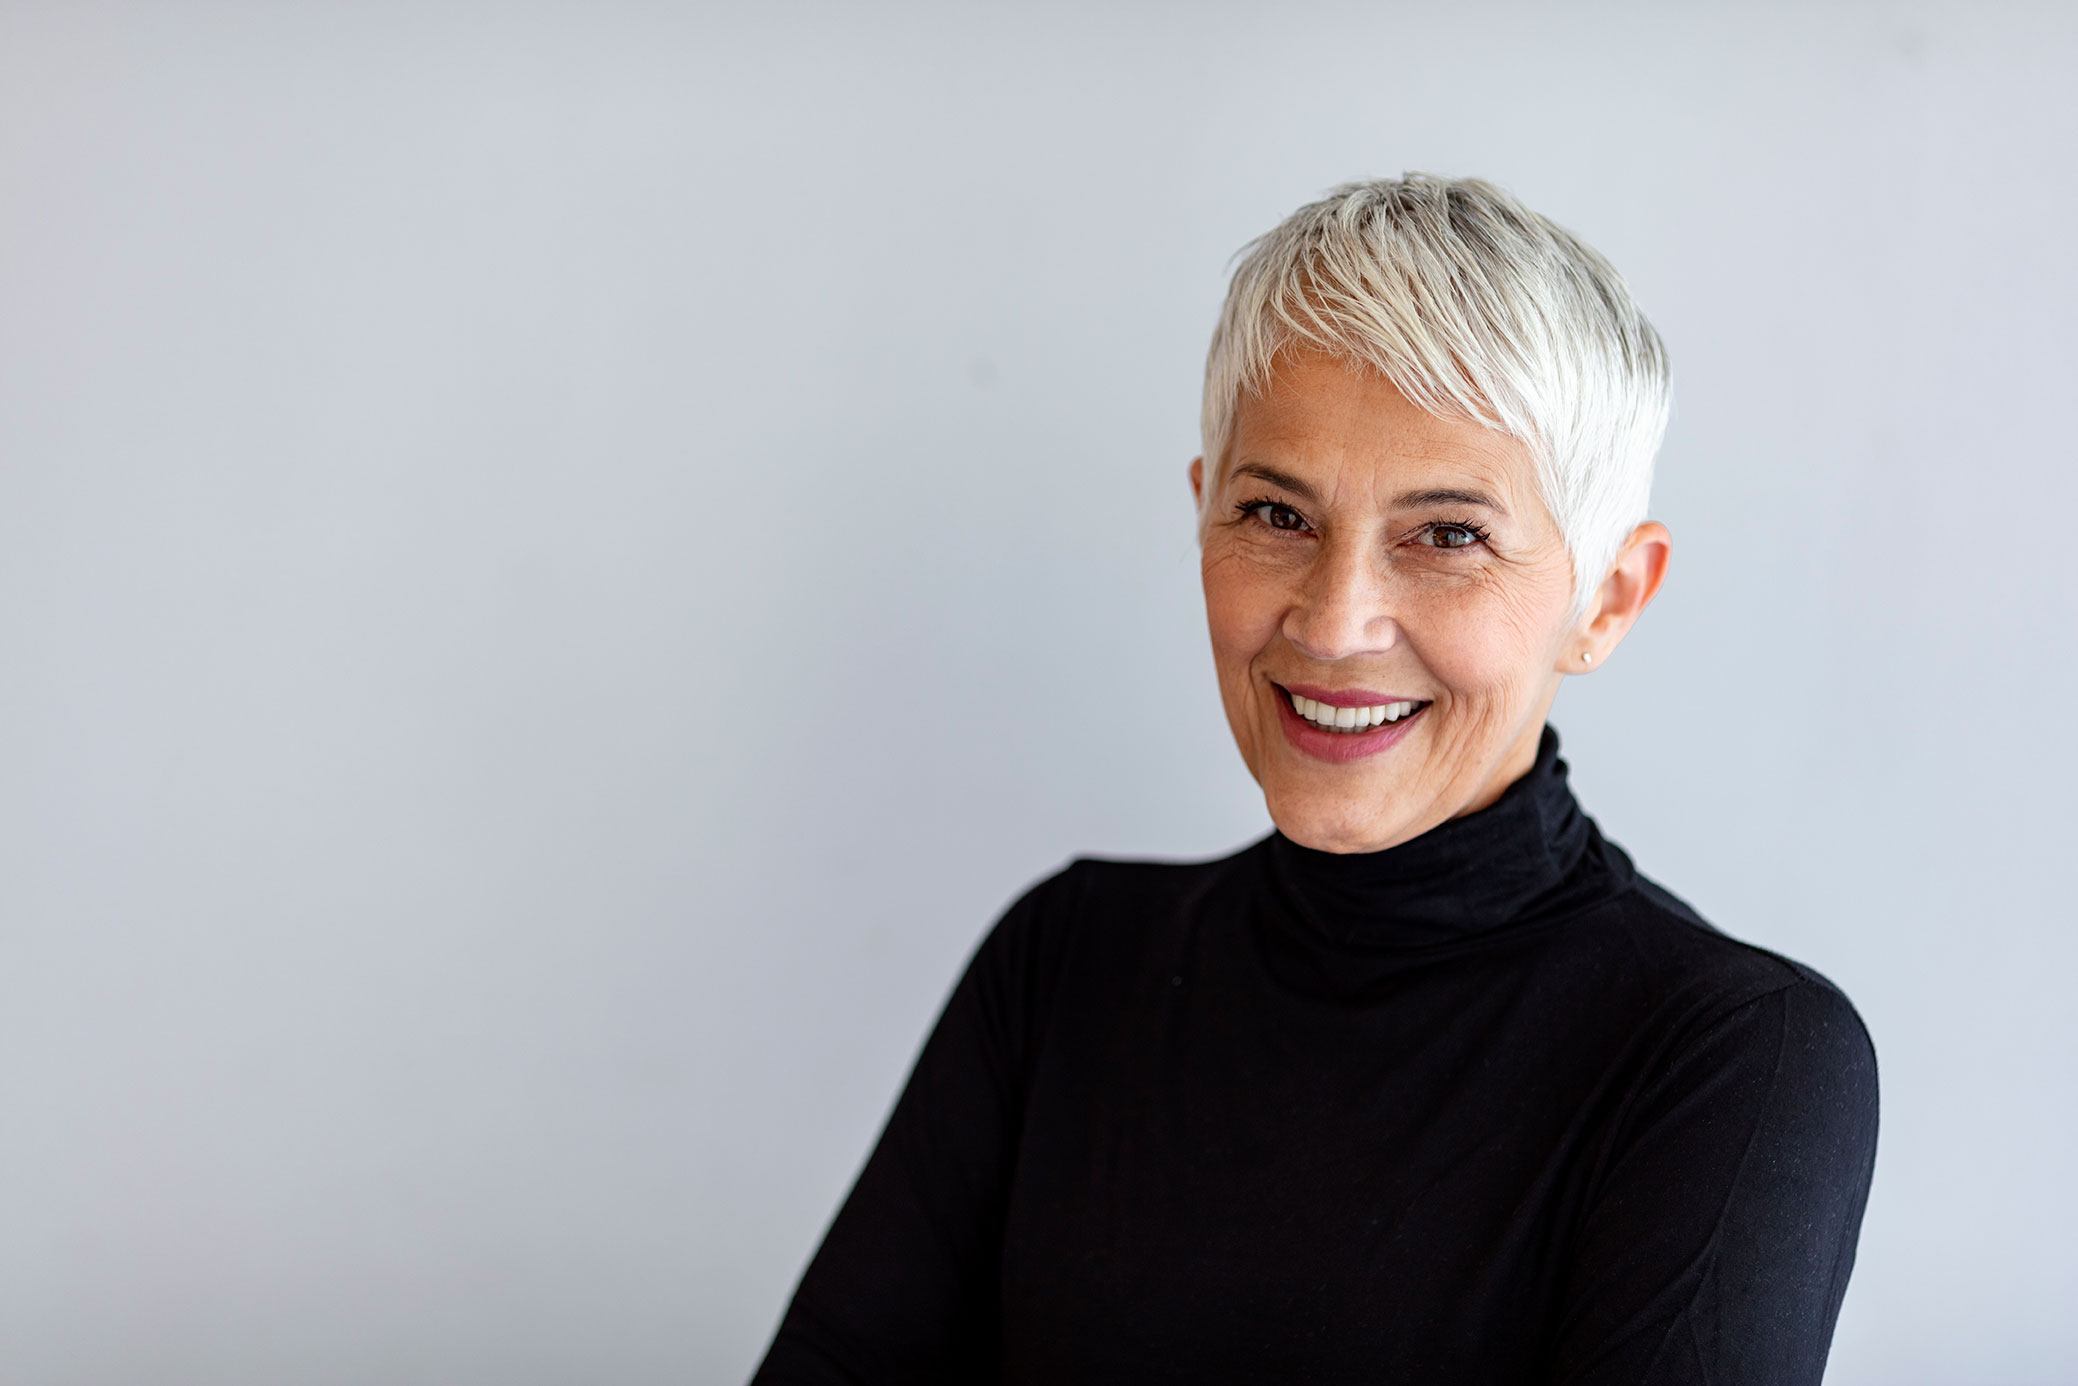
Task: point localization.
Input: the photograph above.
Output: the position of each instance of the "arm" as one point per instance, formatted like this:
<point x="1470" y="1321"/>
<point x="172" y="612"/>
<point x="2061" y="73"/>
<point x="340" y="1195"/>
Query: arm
<point x="1719" y="1243"/>
<point x="904" y="1286"/>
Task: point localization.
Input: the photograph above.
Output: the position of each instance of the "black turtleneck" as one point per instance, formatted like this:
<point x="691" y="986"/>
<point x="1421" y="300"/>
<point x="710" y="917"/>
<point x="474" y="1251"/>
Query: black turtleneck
<point x="1488" y="1107"/>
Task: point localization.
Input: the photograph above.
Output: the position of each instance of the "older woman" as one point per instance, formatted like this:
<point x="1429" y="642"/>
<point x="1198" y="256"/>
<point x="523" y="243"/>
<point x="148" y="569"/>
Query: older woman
<point x="1429" y="1085"/>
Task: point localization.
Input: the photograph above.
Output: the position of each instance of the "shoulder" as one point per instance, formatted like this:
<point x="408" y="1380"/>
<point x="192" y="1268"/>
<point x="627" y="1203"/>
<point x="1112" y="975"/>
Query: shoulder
<point x="1098" y="915"/>
<point x="1112" y="891"/>
<point x="1706" y="1000"/>
<point x="1728" y="1177"/>
<point x="1653" y="938"/>
<point x="1080" y="937"/>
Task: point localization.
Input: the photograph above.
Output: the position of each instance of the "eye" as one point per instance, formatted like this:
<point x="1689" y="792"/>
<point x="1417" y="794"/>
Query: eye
<point x="1275" y="514"/>
<point x="1451" y="535"/>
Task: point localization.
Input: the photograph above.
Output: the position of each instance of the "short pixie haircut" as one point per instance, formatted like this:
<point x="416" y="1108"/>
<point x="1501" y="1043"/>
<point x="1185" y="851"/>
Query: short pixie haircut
<point x="1474" y="307"/>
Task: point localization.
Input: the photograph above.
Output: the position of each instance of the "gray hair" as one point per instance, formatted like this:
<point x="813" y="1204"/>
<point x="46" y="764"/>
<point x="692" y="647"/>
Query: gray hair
<point x="1474" y="307"/>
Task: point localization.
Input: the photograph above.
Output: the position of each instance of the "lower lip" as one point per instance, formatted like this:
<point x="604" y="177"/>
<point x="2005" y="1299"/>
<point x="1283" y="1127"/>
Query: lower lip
<point x="1339" y="748"/>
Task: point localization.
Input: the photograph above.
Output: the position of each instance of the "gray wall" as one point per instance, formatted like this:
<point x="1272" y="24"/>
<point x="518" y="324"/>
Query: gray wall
<point x="558" y="565"/>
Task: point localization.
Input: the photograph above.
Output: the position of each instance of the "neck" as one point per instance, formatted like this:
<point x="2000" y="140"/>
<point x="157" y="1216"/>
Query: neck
<point x="1526" y="854"/>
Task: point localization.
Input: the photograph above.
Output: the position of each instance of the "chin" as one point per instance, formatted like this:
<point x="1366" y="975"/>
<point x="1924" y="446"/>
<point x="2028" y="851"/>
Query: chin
<point x="1334" y="827"/>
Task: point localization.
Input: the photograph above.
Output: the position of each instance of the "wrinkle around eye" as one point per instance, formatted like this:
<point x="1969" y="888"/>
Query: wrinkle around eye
<point x="1421" y="536"/>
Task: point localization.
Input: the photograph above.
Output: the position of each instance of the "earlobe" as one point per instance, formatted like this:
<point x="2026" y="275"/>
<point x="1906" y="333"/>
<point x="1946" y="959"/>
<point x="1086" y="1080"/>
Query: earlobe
<point x="1633" y="581"/>
<point x="1576" y="659"/>
<point x="1197" y="470"/>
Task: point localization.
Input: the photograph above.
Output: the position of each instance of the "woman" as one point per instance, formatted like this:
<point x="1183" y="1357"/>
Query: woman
<point x="1428" y="1085"/>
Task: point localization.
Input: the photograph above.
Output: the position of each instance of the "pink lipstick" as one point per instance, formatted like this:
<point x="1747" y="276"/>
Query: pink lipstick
<point x="1392" y="717"/>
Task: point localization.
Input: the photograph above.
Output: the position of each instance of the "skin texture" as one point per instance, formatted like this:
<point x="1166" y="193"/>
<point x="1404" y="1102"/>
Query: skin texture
<point x="1343" y="576"/>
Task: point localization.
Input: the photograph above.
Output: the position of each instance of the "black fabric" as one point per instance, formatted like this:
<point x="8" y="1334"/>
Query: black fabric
<point x="1487" y="1107"/>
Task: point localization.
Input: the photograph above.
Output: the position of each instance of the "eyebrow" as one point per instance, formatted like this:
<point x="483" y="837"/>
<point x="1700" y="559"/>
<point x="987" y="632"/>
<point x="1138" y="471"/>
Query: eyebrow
<point x="1409" y="500"/>
<point x="1277" y="478"/>
<point x="1416" y="500"/>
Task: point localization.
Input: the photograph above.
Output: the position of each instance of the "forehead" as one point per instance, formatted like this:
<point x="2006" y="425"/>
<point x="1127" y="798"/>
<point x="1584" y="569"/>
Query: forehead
<point x="1348" y="429"/>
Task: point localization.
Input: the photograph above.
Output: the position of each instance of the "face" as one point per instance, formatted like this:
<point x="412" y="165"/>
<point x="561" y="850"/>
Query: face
<point x="1396" y="576"/>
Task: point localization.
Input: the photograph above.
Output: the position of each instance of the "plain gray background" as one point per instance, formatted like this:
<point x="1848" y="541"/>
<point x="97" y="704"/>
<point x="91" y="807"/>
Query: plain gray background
<point x="559" y="565"/>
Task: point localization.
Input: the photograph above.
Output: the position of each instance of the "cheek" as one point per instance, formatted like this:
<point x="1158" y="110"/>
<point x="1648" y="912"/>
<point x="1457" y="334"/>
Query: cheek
<point x="1242" y="609"/>
<point x="1490" y="641"/>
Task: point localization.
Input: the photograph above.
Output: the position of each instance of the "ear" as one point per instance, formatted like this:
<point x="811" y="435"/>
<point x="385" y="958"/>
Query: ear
<point x="1198" y="481"/>
<point x="1634" y="580"/>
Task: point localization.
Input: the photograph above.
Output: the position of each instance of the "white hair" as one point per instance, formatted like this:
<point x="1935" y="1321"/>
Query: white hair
<point x="1474" y="307"/>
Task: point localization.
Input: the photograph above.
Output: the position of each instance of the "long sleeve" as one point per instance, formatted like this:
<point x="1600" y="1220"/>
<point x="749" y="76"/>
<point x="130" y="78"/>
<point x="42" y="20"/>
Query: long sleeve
<point x="904" y="1286"/>
<point x="1718" y="1247"/>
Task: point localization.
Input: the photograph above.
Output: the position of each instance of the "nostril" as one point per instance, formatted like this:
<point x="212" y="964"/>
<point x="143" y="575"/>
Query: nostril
<point x="1327" y="637"/>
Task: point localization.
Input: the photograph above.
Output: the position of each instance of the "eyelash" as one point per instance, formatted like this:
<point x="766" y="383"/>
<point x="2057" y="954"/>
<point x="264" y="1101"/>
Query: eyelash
<point x="1247" y="508"/>
<point x="1479" y="532"/>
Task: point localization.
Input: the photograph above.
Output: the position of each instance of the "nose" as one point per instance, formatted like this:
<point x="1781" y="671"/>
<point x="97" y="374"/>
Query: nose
<point x="1344" y="607"/>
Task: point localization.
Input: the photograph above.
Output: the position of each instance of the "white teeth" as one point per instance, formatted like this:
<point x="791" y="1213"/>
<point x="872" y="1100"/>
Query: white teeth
<point x="1351" y="719"/>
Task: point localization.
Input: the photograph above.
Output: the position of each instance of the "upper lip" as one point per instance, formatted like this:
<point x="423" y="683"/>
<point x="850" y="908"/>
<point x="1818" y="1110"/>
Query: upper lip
<point x="1347" y="697"/>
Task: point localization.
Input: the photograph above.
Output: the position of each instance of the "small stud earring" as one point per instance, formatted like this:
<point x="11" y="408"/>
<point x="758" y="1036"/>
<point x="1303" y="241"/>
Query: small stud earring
<point x="1587" y="657"/>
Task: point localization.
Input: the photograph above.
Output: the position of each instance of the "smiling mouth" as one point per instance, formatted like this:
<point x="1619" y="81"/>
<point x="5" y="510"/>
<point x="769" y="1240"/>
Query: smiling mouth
<point x="1350" y="720"/>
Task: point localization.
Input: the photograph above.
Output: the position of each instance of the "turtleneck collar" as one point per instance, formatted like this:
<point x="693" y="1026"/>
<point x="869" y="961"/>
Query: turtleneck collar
<point x="1527" y="856"/>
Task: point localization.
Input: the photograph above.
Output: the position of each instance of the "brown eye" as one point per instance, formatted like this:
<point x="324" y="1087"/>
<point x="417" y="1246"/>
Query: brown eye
<point x="1278" y="516"/>
<point x="1450" y="536"/>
